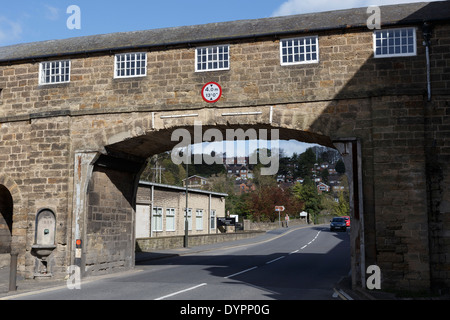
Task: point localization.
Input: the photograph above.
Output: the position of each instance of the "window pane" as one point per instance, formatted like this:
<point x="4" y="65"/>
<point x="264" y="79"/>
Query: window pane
<point x="55" y="72"/>
<point x="213" y="58"/>
<point x="131" y="65"/>
<point x="394" y="42"/>
<point x="294" y="51"/>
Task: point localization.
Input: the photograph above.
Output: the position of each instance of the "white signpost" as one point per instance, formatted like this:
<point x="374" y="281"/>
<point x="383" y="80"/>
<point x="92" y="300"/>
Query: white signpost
<point x="279" y="209"/>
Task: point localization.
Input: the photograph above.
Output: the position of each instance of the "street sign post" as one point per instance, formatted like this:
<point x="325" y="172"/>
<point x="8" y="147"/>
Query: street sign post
<point x="279" y="209"/>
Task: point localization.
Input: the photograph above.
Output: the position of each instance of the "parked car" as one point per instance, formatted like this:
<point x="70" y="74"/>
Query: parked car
<point x="347" y="220"/>
<point x="338" y="223"/>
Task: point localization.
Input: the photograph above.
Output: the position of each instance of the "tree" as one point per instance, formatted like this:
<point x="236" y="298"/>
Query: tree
<point x="261" y="204"/>
<point x="343" y="208"/>
<point x="307" y="193"/>
<point x="305" y="163"/>
<point x="324" y="175"/>
<point x="340" y="167"/>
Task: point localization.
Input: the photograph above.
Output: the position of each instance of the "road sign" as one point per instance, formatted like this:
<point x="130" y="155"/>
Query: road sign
<point x="225" y="222"/>
<point x="211" y="92"/>
<point x="279" y="208"/>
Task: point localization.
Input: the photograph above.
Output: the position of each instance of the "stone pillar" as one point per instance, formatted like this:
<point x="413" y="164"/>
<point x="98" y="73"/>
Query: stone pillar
<point x="84" y="165"/>
<point x="351" y="153"/>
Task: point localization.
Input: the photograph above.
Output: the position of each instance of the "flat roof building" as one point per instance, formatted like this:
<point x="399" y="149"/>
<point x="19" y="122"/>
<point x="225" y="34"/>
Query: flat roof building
<point x="160" y="210"/>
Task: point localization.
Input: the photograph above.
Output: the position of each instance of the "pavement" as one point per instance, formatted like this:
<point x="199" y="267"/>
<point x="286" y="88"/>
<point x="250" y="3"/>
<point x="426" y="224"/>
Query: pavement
<point x="342" y="289"/>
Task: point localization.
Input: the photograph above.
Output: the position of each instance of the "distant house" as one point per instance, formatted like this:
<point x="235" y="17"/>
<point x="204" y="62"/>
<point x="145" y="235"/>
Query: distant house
<point x="240" y="171"/>
<point x="196" y="182"/>
<point x="246" y="187"/>
<point x="332" y="169"/>
<point x="321" y="187"/>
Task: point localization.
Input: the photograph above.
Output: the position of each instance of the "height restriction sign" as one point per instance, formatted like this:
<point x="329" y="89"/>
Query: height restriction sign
<point x="211" y="92"/>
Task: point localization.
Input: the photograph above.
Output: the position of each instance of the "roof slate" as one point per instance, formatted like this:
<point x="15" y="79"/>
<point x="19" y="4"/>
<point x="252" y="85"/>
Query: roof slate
<point x="226" y="31"/>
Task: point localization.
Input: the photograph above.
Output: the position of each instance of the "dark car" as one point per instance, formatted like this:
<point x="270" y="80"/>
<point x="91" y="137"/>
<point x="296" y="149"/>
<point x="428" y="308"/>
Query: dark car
<point x="338" y="223"/>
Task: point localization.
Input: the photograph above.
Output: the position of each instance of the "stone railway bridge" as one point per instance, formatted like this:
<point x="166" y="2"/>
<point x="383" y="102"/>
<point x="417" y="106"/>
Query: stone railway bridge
<point x="71" y="153"/>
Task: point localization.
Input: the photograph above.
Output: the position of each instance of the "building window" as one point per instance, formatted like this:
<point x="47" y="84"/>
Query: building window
<point x="54" y="72"/>
<point x="157" y="219"/>
<point x="130" y="65"/>
<point x="394" y="42"/>
<point x="199" y="219"/>
<point x="213" y="219"/>
<point x="299" y="50"/>
<point x="189" y="218"/>
<point x="170" y="219"/>
<point x="212" y="58"/>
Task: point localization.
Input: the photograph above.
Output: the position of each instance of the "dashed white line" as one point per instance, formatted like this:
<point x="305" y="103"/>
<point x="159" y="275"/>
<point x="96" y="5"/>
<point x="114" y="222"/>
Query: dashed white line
<point x="275" y="259"/>
<point x="181" y="291"/>
<point x="311" y="240"/>
<point x="235" y="274"/>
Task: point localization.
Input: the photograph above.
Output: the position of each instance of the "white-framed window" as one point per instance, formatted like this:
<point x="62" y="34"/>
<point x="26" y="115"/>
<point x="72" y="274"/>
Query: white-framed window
<point x="299" y="50"/>
<point x="128" y="65"/>
<point x="170" y="219"/>
<point x="189" y="218"/>
<point x="157" y="219"/>
<point x="213" y="219"/>
<point x="212" y="58"/>
<point x="199" y="219"/>
<point x="398" y="42"/>
<point x="54" y="72"/>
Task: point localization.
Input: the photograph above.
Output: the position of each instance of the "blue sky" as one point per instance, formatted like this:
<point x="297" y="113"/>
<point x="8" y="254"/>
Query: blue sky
<point x="36" y="20"/>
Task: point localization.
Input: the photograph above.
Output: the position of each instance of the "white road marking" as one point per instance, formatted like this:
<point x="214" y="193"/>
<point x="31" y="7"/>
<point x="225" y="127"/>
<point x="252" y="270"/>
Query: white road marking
<point x="181" y="291"/>
<point x="275" y="259"/>
<point x="235" y="274"/>
<point x="311" y="240"/>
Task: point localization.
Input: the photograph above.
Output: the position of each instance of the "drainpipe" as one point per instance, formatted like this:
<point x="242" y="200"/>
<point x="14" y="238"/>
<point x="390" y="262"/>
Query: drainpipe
<point x="209" y="214"/>
<point x="426" y="30"/>
<point x="152" y="201"/>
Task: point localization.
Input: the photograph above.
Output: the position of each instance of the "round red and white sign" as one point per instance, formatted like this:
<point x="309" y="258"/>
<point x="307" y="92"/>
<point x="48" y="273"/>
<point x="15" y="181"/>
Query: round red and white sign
<point x="211" y="92"/>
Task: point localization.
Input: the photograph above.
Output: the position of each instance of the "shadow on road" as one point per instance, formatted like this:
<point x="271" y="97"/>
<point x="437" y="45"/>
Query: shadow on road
<point x="302" y="275"/>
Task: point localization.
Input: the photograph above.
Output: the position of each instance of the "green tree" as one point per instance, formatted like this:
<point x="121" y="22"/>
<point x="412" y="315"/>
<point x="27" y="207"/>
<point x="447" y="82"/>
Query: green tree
<point x="307" y="193"/>
<point x="305" y="163"/>
<point x="324" y="174"/>
<point x="343" y="208"/>
<point x="340" y="167"/>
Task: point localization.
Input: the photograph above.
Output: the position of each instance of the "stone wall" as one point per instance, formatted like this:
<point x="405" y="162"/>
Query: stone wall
<point x="175" y="242"/>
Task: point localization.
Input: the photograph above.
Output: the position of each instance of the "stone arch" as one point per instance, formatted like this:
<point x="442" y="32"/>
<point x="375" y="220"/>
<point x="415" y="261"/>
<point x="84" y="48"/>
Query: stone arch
<point x="6" y="219"/>
<point x="9" y="202"/>
<point x="107" y="221"/>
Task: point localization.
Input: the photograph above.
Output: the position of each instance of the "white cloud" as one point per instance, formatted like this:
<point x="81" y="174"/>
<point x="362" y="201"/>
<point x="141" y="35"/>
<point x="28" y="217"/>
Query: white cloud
<point x="9" y="30"/>
<point x="51" y="13"/>
<point x="307" y="6"/>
